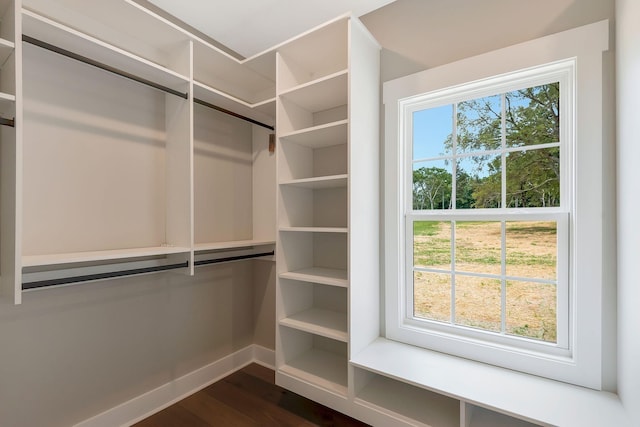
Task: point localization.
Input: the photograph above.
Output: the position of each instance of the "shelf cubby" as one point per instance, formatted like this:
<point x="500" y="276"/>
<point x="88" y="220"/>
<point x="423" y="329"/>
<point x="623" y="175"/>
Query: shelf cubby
<point x="476" y="416"/>
<point x="405" y="402"/>
<point x="314" y="358"/>
<point x="314" y="55"/>
<point x="311" y="207"/>
<point x="300" y="162"/>
<point x="314" y="308"/>
<point x="308" y="250"/>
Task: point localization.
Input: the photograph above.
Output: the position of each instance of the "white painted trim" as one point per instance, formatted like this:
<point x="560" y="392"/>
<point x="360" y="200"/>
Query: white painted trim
<point x="155" y="400"/>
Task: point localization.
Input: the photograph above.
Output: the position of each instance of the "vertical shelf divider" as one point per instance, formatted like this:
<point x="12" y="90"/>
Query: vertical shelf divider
<point x="11" y="161"/>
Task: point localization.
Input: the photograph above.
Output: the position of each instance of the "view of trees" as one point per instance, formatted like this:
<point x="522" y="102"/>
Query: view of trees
<point x="531" y="119"/>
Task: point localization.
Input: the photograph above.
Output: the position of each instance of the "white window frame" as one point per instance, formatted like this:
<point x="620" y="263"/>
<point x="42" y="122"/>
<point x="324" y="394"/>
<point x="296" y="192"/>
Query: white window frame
<point x="577" y="54"/>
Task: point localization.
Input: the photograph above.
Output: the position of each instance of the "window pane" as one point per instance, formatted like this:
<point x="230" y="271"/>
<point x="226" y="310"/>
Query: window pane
<point x="432" y="244"/>
<point x="532" y="249"/>
<point x="531" y="310"/>
<point x="533" y="115"/>
<point x="432" y="185"/>
<point x="533" y="178"/>
<point x="478" y="182"/>
<point x="479" y="247"/>
<point x="432" y="296"/>
<point x="479" y="125"/>
<point x="432" y="130"/>
<point x="478" y="302"/>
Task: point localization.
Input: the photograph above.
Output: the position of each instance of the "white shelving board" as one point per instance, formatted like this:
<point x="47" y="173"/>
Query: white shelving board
<point x="320" y="367"/>
<point x="339" y="230"/>
<point x="93" y="256"/>
<point x="6" y="48"/>
<point x="409" y="402"/>
<point x="323" y="276"/>
<point x="330" y="324"/>
<point x="322" y="94"/>
<point x="59" y="35"/>
<point x="234" y="244"/>
<point x="325" y="135"/>
<point x="263" y="112"/>
<point x="319" y="183"/>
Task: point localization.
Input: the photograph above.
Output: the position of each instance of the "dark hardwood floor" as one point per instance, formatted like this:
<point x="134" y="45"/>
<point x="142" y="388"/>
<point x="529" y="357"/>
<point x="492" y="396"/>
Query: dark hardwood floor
<point x="248" y="397"/>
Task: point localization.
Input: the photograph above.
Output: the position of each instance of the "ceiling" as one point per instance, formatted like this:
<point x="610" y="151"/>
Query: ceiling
<point x="249" y="27"/>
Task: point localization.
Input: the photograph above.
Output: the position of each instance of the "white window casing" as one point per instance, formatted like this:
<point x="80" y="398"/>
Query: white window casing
<point x="573" y="58"/>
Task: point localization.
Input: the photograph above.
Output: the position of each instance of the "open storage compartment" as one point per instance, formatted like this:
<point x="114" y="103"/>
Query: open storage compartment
<point x="405" y="402"/>
<point x="314" y="358"/>
<point x="106" y="165"/>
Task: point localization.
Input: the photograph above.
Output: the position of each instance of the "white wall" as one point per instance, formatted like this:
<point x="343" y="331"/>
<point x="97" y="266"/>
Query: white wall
<point x="628" y="174"/>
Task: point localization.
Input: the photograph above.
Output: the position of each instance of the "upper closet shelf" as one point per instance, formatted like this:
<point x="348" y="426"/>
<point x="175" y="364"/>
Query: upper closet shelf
<point x="319" y="183"/>
<point x="322" y="94"/>
<point x="6" y="48"/>
<point x="93" y="256"/>
<point x="263" y="112"/>
<point x="61" y="36"/>
<point x="233" y="244"/>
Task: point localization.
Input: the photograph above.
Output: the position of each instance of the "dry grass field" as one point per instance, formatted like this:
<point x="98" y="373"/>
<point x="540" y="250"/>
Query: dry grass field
<point x="530" y="253"/>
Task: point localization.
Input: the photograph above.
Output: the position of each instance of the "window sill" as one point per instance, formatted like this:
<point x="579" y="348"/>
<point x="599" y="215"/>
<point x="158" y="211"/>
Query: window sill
<point x="513" y="393"/>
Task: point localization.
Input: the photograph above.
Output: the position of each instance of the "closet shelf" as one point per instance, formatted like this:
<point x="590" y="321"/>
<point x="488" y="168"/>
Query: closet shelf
<point x="323" y="276"/>
<point x="233" y="244"/>
<point x="322" y="368"/>
<point x="322" y="94"/>
<point x="319" y="183"/>
<point x="6" y="49"/>
<point x="59" y="35"/>
<point x="95" y="256"/>
<point x="261" y="112"/>
<point x="330" y="324"/>
<point x="325" y="135"/>
<point x="338" y="230"/>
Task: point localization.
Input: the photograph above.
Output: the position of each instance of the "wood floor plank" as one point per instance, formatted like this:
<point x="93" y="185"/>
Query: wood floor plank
<point x="215" y="412"/>
<point x="248" y="398"/>
<point x="260" y="410"/>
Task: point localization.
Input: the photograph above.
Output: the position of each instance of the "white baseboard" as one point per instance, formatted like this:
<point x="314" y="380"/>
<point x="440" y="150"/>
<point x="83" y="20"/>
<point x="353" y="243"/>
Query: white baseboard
<point x="149" y="403"/>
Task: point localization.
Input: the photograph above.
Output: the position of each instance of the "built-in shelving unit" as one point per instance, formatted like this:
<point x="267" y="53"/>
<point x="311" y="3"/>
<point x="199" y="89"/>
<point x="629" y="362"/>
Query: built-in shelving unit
<point x="318" y="145"/>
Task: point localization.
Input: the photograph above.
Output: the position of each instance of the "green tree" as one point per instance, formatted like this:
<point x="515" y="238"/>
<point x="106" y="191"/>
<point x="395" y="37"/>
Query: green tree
<point x="431" y="188"/>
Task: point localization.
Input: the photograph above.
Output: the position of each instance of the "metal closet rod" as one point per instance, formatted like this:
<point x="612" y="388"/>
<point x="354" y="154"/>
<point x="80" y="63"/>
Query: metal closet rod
<point x="231" y="258"/>
<point x="99" y="276"/>
<point x="132" y="272"/>
<point x="84" y="59"/>
<point x="7" y="122"/>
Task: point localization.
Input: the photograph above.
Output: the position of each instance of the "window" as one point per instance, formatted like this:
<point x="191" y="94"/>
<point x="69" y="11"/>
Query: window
<point x="493" y="208"/>
<point x="486" y="209"/>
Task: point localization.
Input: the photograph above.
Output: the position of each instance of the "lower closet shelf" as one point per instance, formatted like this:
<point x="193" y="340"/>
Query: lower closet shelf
<point x="326" y="323"/>
<point x="324" y="276"/>
<point x="319" y="367"/>
<point x="94" y="256"/>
